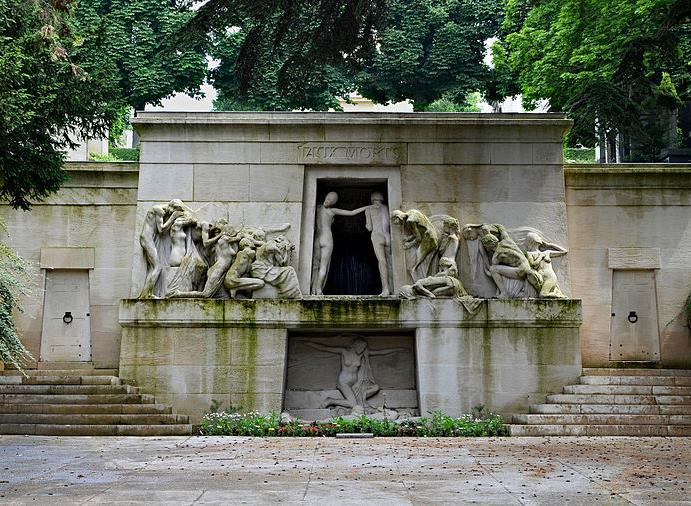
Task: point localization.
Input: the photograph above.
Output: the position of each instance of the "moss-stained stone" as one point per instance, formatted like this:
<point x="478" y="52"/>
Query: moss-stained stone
<point x="233" y="351"/>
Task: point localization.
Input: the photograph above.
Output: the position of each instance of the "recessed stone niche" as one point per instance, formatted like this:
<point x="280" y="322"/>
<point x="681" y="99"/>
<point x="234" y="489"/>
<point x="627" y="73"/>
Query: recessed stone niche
<point x="353" y="268"/>
<point x="316" y="363"/>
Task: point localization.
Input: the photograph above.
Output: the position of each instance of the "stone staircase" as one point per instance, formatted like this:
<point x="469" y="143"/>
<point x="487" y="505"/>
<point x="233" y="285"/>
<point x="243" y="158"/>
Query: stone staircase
<point x="81" y="403"/>
<point x="614" y="402"/>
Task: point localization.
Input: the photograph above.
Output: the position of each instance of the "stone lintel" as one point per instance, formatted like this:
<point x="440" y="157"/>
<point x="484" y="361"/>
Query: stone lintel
<point x="633" y="258"/>
<point x="67" y="258"/>
<point x="347" y="312"/>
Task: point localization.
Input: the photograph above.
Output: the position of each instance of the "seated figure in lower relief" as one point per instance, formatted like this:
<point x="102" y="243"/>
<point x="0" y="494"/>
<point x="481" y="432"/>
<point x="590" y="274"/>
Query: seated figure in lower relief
<point x="444" y="283"/>
<point x="355" y="379"/>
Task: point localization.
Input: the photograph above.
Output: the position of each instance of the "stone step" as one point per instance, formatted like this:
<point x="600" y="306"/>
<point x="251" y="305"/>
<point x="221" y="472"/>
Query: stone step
<point x="60" y="372"/>
<point x="617" y="399"/>
<point x="637" y="380"/>
<point x="68" y="389"/>
<point x="131" y="409"/>
<point x="603" y="371"/>
<point x="60" y="380"/>
<point x="91" y="419"/>
<point x="627" y="390"/>
<point x="601" y="419"/>
<point x="600" y="430"/>
<point x="96" y="430"/>
<point x="623" y="409"/>
<point x="76" y="399"/>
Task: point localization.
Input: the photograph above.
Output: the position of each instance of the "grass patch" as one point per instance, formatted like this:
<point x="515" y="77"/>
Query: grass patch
<point x="437" y="424"/>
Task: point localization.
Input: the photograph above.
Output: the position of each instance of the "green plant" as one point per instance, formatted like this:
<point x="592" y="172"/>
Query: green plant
<point x="125" y="154"/>
<point x="688" y="311"/>
<point x="436" y="425"/>
<point x="102" y="157"/>
<point x="14" y="282"/>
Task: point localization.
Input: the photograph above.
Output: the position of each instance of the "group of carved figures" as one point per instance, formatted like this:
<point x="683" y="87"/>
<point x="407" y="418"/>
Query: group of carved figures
<point x="503" y="264"/>
<point x="188" y="257"/>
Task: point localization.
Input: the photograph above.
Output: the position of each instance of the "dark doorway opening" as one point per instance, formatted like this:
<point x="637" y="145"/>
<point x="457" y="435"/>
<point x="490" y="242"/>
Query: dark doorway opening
<point x="353" y="269"/>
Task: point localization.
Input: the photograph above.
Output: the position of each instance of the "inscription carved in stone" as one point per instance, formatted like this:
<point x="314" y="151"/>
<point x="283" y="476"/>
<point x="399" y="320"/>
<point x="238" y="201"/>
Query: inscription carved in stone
<point x="381" y="154"/>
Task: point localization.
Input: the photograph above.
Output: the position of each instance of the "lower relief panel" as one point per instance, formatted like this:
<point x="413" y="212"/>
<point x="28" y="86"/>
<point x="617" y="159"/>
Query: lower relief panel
<point x="338" y="374"/>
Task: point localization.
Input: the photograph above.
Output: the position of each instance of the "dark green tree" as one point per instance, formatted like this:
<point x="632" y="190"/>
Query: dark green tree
<point x="287" y="53"/>
<point x="616" y="67"/>
<point x="46" y="99"/>
<point x="430" y="49"/>
<point x="422" y="51"/>
<point x="125" y="42"/>
<point x="286" y="77"/>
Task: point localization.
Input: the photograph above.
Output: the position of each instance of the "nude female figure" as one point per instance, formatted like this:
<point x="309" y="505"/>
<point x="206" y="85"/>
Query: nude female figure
<point x="234" y="279"/>
<point x="377" y="222"/>
<point x="540" y="253"/>
<point x="223" y="257"/>
<point x="355" y="380"/>
<point x="325" y="217"/>
<point x="153" y="226"/>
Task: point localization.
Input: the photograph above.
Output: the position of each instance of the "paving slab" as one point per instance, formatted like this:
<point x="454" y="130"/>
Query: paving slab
<point x="324" y="471"/>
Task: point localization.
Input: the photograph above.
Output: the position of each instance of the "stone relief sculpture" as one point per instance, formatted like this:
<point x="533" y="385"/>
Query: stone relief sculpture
<point x="271" y="266"/>
<point x="517" y="271"/>
<point x="355" y="379"/>
<point x="187" y="257"/>
<point x="419" y="236"/>
<point x="444" y="283"/>
<point x="153" y="228"/>
<point x="378" y="224"/>
<point x="324" y="239"/>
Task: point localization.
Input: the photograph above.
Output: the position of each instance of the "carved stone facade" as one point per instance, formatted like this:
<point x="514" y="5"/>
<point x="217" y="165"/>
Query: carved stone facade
<point x="204" y="214"/>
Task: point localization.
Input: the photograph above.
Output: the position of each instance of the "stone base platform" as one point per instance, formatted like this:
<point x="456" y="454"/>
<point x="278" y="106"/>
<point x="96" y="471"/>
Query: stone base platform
<point x="193" y="353"/>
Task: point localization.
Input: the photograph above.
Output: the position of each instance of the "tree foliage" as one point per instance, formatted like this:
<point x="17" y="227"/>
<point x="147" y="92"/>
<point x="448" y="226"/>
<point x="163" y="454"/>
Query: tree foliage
<point x="421" y="51"/>
<point x="620" y="64"/>
<point x="429" y="49"/>
<point x="46" y="99"/>
<point x="14" y="282"/>
<point x="124" y="43"/>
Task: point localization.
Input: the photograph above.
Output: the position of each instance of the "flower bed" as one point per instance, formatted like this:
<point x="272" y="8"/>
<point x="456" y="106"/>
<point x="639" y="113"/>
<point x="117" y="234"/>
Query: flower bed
<point x="273" y="425"/>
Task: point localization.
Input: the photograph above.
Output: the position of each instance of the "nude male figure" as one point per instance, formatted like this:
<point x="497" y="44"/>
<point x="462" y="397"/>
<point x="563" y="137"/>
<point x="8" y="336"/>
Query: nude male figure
<point x="377" y="222"/>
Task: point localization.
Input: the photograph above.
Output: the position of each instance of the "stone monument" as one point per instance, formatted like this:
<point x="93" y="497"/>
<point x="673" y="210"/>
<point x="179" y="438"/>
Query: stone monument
<point x="363" y="294"/>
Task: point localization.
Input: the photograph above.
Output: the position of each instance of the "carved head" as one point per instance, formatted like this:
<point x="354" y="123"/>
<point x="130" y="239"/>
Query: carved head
<point x="359" y="345"/>
<point x="533" y="240"/>
<point x="449" y="266"/>
<point x="377" y="197"/>
<point x="451" y="225"/>
<point x="489" y="241"/>
<point x="246" y="243"/>
<point x="330" y="199"/>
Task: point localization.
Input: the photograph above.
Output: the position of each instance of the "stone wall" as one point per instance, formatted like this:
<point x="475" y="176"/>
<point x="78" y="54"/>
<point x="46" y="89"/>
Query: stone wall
<point x="262" y="169"/>
<point x="643" y="212"/>
<point x="87" y="224"/>
<point x="192" y="353"/>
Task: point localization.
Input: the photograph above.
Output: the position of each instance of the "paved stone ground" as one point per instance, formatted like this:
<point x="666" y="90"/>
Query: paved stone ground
<point x="182" y="470"/>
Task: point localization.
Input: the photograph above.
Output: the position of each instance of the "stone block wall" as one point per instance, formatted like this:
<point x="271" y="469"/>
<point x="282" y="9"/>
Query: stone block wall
<point x="88" y="224"/>
<point x="192" y="353"/>
<point x="644" y="213"/>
